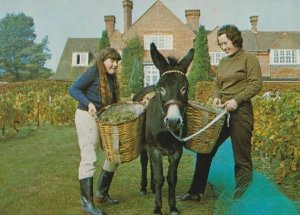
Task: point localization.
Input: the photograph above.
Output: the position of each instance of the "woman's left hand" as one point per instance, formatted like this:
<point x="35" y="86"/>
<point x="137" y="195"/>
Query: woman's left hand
<point x="92" y="109"/>
<point x="230" y="105"/>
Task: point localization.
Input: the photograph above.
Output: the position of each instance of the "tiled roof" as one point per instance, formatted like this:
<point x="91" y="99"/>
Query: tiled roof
<point x="274" y="40"/>
<point x="286" y="41"/>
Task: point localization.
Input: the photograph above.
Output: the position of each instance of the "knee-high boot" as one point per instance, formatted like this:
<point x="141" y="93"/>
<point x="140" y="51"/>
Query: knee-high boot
<point x="86" y="191"/>
<point x="104" y="182"/>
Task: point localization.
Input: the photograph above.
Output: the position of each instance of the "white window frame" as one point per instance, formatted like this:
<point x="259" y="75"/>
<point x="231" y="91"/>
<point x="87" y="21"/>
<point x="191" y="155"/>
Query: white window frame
<point x="151" y="75"/>
<point x="80" y="59"/>
<point x="162" y="42"/>
<point x="215" y="57"/>
<point x="284" y="56"/>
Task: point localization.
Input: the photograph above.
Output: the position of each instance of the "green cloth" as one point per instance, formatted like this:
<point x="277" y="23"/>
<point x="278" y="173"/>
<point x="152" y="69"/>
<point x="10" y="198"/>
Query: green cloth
<point x="238" y="77"/>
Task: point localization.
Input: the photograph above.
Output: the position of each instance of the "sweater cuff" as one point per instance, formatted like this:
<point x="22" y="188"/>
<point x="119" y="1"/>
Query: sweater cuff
<point x="86" y="102"/>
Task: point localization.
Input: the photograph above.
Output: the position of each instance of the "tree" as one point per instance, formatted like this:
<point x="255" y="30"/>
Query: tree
<point x="104" y="41"/>
<point x="136" y="79"/>
<point x="201" y="63"/>
<point x="20" y="57"/>
<point x="133" y="52"/>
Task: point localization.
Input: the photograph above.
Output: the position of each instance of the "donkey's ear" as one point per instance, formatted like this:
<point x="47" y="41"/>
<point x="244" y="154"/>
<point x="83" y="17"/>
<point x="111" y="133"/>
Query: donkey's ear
<point x="158" y="59"/>
<point x="187" y="59"/>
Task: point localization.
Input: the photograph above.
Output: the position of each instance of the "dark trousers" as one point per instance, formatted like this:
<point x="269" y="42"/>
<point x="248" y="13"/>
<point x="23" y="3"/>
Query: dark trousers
<point x="240" y="131"/>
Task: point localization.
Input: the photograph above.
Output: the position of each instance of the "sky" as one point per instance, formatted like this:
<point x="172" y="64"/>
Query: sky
<point x="62" y="19"/>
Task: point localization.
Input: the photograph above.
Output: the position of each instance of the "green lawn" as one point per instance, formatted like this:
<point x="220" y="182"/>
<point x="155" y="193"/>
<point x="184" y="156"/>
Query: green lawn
<point x="39" y="177"/>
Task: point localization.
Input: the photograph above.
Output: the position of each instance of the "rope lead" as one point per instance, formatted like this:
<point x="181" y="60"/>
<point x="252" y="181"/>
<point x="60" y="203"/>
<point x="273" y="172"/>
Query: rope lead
<point x="218" y="117"/>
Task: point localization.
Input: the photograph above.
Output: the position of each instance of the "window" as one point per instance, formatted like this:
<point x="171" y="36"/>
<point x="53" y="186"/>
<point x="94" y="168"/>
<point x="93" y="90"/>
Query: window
<point x="215" y="57"/>
<point x="80" y="59"/>
<point x="162" y="42"/>
<point x="151" y="75"/>
<point x="285" y="56"/>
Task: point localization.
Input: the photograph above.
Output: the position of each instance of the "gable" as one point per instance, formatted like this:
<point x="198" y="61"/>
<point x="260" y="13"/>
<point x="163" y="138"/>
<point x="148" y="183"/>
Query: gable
<point x="159" y="20"/>
<point x="64" y="70"/>
<point x="158" y="17"/>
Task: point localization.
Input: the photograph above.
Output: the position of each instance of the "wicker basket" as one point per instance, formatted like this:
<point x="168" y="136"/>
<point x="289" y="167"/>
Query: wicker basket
<point x="199" y="115"/>
<point x="121" y="141"/>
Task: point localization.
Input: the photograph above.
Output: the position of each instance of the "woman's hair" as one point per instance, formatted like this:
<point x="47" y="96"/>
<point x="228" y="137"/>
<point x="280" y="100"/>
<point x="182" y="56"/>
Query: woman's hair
<point x="233" y="34"/>
<point x="104" y="90"/>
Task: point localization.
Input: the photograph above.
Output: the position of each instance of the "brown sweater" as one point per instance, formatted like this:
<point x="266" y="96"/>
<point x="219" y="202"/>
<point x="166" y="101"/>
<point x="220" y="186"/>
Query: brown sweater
<point x="238" y="77"/>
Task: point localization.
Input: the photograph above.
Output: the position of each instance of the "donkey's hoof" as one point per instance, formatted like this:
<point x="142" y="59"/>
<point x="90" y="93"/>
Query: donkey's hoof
<point x="174" y="211"/>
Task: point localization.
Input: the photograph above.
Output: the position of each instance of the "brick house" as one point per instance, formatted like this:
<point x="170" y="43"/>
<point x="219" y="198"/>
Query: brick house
<point x="278" y="52"/>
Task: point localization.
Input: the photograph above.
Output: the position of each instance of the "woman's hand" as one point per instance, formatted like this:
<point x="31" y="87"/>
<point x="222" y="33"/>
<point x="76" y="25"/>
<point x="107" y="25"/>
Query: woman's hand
<point x="217" y="103"/>
<point x="230" y="105"/>
<point x="92" y="109"/>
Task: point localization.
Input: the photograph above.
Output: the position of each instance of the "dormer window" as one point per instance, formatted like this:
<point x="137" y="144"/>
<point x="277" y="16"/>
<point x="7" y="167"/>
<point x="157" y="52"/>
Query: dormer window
<point x="162" y="42"/>
<point x="80" y="59"/>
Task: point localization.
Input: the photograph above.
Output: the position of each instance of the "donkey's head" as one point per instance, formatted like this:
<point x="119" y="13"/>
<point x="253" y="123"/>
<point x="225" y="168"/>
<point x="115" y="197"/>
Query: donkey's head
<point x="172" y="86"/>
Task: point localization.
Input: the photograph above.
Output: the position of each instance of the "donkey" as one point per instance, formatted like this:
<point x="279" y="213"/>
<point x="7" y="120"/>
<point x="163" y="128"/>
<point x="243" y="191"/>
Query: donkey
<point x="164" y="116"/>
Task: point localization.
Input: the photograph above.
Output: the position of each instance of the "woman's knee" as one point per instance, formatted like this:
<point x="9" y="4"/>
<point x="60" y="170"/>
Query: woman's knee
<point x="110" y="166"/>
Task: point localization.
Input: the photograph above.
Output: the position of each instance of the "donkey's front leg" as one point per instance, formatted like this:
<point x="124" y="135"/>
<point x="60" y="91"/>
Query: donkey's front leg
<point x="172" y="180"/>
<point x="157" y="165"/>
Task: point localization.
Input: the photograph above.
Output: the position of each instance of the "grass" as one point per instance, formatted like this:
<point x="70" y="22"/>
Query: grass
<point x="39" y="177"/>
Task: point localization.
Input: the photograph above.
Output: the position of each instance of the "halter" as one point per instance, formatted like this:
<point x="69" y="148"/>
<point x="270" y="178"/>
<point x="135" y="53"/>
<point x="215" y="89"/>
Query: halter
<point x="172" y="101"/>
<point x="172" y="71"/>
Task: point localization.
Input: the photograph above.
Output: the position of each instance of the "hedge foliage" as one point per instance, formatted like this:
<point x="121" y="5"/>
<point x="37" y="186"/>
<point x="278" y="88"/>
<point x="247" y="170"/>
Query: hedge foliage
<point x="34" y="103"/>
<point x="276" y="137"/>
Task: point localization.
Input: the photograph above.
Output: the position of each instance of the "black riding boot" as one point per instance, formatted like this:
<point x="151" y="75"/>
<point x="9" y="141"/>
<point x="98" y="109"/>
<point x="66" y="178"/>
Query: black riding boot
<point x="86" y="191"/>
<point x="104" y="182"/>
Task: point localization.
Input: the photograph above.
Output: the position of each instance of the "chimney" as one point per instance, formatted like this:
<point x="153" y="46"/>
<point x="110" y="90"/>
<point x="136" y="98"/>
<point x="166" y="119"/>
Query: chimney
<point x="110" y="24"/>
<point x="127" y="6"/>
<point x="253" y="21"/>
<point x="192" y="19"/>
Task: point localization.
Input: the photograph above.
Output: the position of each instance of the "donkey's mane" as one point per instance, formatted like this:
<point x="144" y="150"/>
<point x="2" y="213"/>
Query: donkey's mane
<point x="173" y="64"/>
<point x="172" y="61"/>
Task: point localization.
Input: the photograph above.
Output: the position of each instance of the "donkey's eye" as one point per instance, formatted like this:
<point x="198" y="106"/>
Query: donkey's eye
<point x="183" y="90"/>
<point x="162" y="91"/>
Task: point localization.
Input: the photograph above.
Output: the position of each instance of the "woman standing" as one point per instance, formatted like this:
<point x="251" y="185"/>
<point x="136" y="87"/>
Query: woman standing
<point x="95" y="88"/>
<point x="238" y="79"/>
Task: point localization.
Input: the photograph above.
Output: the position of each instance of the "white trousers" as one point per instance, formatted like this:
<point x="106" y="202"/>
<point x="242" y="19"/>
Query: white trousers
<point x="89" y="142"/>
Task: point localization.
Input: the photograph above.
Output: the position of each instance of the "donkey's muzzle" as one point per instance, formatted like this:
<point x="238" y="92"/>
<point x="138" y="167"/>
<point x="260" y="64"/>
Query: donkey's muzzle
<point x="173" y="123"/>
<point x="173" y="119"/>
